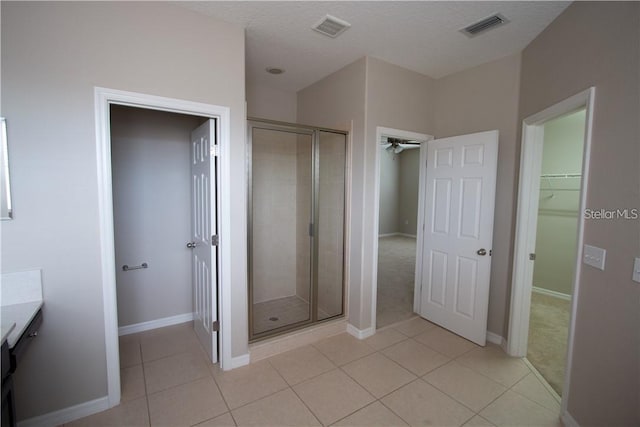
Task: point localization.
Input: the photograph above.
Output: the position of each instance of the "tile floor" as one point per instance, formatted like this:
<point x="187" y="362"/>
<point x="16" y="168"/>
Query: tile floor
<point x="411" y="373"/>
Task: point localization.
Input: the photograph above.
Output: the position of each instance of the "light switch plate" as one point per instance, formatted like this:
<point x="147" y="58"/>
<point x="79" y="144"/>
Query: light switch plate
<point x="594" y="256"/>
<point x="636" y="270"/>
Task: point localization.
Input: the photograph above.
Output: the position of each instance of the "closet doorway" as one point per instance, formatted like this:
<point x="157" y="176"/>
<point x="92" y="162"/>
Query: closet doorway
<point x="549" y="237"/>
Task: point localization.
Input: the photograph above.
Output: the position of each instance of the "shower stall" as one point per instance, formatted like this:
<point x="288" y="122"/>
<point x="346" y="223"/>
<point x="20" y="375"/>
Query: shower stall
<point x="297" y="178"/>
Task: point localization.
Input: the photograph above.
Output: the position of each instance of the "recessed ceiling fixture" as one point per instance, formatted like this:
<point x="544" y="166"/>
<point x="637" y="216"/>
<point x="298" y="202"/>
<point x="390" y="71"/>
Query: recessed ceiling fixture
<point x="331" y="26"/>
<point x="485" y="24"/>
<point x="274" y="70"/>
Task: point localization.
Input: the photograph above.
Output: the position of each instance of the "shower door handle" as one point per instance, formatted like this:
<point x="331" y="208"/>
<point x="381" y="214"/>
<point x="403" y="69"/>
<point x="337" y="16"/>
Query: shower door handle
<point x="192" y="245"/>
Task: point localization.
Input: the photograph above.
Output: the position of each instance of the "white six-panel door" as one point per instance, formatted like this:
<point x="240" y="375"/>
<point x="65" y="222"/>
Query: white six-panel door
<point x="458" y="232"/>
<point x="203" y="227"/>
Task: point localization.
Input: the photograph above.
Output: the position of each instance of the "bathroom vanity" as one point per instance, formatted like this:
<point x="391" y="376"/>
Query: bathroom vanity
<point x="21" y="317"/>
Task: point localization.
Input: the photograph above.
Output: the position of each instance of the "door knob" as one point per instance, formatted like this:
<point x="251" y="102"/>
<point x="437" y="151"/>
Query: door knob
<point x="191" y="245"/>
<point x="481" y="252"/>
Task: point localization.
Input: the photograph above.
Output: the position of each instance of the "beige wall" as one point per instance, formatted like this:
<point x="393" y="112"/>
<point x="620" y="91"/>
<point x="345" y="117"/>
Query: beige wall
<point x="409" y="183"/>
<point x="53" y="54"/>
<point x="264" y="102"/>
<point x="389" y="194"/>
<point x="598" y="44"/>
<point x="557" y="232"/>
<point x="151" y="210"/>
<point x="480" y="99"/>
<point x="337" y="102"/>
<point x="400" y="99"/>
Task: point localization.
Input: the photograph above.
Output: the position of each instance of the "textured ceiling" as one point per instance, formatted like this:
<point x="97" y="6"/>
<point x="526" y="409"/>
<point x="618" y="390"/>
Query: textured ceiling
<point x="419" y="35"/>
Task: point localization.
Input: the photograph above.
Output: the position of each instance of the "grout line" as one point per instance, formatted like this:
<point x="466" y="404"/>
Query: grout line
<point x="144" y="379"/>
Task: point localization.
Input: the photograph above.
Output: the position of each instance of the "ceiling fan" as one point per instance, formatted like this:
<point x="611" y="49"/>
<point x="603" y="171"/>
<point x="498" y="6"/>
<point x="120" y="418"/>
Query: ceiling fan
<point x="397" y="145"/>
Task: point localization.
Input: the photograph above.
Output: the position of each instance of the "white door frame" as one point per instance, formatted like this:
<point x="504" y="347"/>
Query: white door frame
<point x="423" y="138"/>
<point x="526" y="224"/>
<point x="103" y="99"/>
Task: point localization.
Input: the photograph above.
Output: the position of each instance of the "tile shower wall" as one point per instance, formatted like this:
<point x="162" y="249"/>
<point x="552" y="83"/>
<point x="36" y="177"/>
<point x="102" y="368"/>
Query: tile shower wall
<point x="274" y="176"/>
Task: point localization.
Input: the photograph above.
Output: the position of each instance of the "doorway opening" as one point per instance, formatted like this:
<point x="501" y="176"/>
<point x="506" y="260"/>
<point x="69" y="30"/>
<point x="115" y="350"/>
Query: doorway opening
<point x="398" y="215"/>
<point x="554" y="167"/>
<point x="139" y="200"/>
<point x="398" y="209"/>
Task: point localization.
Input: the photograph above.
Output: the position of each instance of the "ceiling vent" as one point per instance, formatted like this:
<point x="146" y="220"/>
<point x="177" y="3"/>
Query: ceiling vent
<point x="331" y="26"/>
<point x="485" y="24"/>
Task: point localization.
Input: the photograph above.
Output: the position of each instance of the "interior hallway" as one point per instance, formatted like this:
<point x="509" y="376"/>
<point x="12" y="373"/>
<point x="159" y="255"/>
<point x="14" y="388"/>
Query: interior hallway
<point x="411" y="373"/>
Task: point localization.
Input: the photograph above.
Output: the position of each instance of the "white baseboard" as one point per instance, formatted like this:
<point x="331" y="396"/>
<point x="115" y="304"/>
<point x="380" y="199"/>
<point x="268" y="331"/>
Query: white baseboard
<point x="360" y="333"/>
<point x="498" y="340"/>
<point x="239" y="361"/>
<point x="66" y="415"/>
<point x="154" y="324"/>
<point x="550" y="293"/>
<point x="568" y="420"/>
<point x="397" y="234"/>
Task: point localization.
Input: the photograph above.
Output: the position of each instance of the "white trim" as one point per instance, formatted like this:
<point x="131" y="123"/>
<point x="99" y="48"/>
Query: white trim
<point x="103" y="99"/>
<point x="238" y="361"/>
<point x="551" y="293"/>
<point x="360" y="333"/>
<point x="497" y="340"/>
<point x="155" y="324"/>
<point x="66" y="415"/>
<point x="568" y="420"/>
<point x="375" y="208"/>
<point x="526" y="223"/>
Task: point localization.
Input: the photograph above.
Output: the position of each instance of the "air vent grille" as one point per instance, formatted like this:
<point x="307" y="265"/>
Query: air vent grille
<point x="484" y="25"/>
<point x="331" y="26"/>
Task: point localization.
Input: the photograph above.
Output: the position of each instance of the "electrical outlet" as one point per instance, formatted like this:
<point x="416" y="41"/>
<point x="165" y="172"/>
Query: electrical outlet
<point x="594" y="256"/>
<point x="636" y="270"/>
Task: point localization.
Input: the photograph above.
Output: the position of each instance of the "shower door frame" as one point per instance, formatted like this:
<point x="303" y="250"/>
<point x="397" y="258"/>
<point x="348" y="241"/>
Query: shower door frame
<point x="314" y="132"/>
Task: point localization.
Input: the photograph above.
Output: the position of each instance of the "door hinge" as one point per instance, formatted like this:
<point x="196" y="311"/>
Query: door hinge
<point x="215" y="326"/>
<point x="214" y="150"/>
<point x="532" y="257"/>
<point x="215" y="240"/>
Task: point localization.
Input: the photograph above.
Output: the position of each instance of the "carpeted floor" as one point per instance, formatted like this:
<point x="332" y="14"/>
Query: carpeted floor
<point x="396" y="274"/>
<point x="548" y="333"/>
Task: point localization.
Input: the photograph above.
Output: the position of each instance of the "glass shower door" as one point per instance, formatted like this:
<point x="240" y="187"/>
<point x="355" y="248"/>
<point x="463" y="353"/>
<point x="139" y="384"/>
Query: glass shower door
<point x="280" y="198"/>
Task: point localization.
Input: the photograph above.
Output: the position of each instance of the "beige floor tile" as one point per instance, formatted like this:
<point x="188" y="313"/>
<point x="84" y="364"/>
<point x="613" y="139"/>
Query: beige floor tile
<point x="465" y="385"/>
<point x="248" y="383"/>
<point x="301" y="364"/>
<point x="224" y="420"/>
<point x="187" y="404"/>
<point x="415" y="357"/>
<point x="478" y="421"/>
<point x="342" y="349"/>
<point x="130" y="414"/>
<point x="169" y="341"/>
<point x="445" y="342"/>
<point x="378" y="374"/>
<point x="373" y="415"/>
<point x="414" y="326"/>
<point x="281" y="409"/>
<point x="174" y="370"/>
<point x="531" y="388"/>
<point x="332" y="396"/>
<point x="132" y="383"/>
<point x="496" y="364"/>
<point x="385" y="338"/>
<point x="129" y="353"/>
<point x="419" y="403"/>
<point x="512" y="409"/>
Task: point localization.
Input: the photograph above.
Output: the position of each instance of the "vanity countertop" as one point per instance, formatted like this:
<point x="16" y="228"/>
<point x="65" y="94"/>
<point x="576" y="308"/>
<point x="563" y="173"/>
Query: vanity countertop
<point x="21" y="295"/>
<point x="15" y="318"/>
